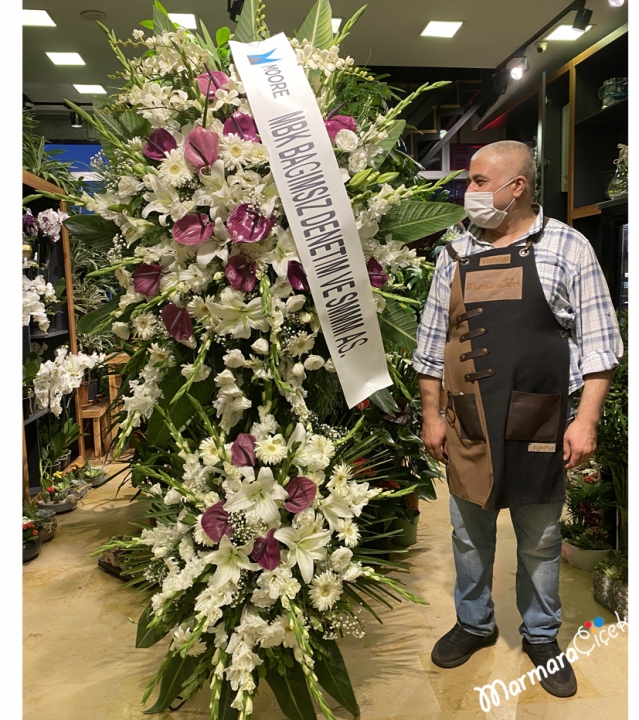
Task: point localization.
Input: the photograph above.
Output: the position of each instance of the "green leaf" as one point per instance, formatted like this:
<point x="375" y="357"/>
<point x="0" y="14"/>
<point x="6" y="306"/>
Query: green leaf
<point x="389" y="143"/>
<point x="222" y="36"/>
<point x="413" y="220"/>
<point x="348" y="26"/>
<point x="128" y="124"/>
<point x="333" y="676"/>
<point x="177" y="671"/>
<point x="398" y="325"/>
<point x="291" y="693"/>
<point x="146" y="636"/>
<point x="92" y="229"/>
<point x="148" y="24"/>
<point x="317" y="28"/>
<point x="92" y="321"/>
<point x="161" y="20"/>
<point x="247" y="25"/>
<point x="384" y="401"/>
<point x="60" y="286"/>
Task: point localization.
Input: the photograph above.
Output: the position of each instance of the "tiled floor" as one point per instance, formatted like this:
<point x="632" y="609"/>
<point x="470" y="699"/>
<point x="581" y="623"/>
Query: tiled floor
<point x="80" y="662"/>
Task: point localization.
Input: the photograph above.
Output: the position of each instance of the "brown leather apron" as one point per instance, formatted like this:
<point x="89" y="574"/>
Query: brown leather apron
<point x="506" y="374"/>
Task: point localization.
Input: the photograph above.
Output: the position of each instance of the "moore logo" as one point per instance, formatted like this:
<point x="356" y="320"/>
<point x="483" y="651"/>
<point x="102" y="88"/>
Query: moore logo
<point x="263" y="58"/>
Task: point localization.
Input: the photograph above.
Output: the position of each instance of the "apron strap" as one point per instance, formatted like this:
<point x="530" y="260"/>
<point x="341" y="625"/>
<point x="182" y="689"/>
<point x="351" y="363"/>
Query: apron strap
<point x="451" y="251"/>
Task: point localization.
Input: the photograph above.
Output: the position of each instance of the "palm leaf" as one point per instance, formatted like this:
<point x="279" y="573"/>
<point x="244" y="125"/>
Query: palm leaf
<point x="317" y="28"/>
<point x="413" y="220"/>
<point x="399" y="326"/>
<point x="247" y="24"/>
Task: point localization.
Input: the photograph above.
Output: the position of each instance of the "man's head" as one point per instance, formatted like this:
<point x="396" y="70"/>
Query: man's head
<point x="508" y="163"/>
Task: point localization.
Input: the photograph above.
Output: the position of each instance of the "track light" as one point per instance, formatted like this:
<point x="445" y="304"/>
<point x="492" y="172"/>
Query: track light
<point x="582" y="19"/>
<point x="518" y="67"/>
<point x="234" y="8"/>
<point x="76" y="120"/>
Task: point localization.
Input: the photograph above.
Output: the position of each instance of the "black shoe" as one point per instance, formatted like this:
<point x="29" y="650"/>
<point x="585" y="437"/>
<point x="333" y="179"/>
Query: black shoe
<point x="457" y="645"/>
<point x="562" y="683"/>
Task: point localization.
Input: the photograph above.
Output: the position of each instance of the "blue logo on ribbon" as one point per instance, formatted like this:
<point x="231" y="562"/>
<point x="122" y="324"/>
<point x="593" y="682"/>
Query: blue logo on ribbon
<point x="263" y="58"/>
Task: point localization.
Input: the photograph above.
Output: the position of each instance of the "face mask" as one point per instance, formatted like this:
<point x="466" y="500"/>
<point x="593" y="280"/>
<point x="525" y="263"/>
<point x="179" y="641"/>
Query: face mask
<point x="481" y="210"/>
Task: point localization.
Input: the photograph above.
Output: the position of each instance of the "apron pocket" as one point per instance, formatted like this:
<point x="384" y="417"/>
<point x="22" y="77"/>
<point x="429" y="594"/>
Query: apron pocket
<point x="468" y="415"/>
<point x="533" y="417"/>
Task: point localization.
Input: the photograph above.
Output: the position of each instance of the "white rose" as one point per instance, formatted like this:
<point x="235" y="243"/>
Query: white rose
<point x="260" y="346"/>
<point x="295" y="303"/>
<point x="128" y="186"/>
<point x="358" y="160"/>
<point x="172" y="497"/>
<point x="121" y="330"/>
<point x="313" y="362"/>
<point x="346" y="140"/>
<point x="234" y="358"/>
<point x="329" y="366"/>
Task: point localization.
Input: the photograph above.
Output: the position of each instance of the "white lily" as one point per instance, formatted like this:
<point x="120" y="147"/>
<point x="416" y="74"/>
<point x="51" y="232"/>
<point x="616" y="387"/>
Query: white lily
<point x="211" y="195"/>
<point x="305" y="547"/>
<point x="165" y="201"/>
<point x="230" y="561"/>
<point x="238" y="317"/>
<point x="297" y="436"/>
<point x="284" y="251"/>
<point x="259" y="495"/>
<point x="334" y="509"/>
<point x="215" y="246"/>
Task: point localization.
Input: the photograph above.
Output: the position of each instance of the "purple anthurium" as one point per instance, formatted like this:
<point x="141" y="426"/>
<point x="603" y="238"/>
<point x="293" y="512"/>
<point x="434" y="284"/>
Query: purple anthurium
<point x="242" y="125"/>
<point x="146" y="279"/>
<point x="266" y="551"/>
<point x="215" y="522"/>
<point x="159" y="143"/>
<point x="339" y="122"/>
<point x="301" y="493"/>
<point x="177" y="321"/>
<point x="240" y="272"/>
<point x="201" y="147"/>
<point x="376" y="273"/>
<point x="211" y="81"/>
<point x="246" y="224"/>
<point x="297" y="276"/>
<point x="193" y="229"/>
<point x="243" y="450"/>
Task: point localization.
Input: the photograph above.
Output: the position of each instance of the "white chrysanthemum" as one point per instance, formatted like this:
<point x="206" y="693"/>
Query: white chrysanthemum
<point x="234" y="151"/>
<point x="317" y="452"/>
<point x="258" y="153"/>
<point x="301" y="344"/>
<point x="208" y="452"/>
<point x="348" y="532"/>
<point x="325" y="591"/>
<point x="340" y="559"/>
<point x="271" y="450"/>
<point x="145" y="325"/>
<point x="174" y="170"/>
<point x="200" y="536"/>
<point x="342" y="473"/>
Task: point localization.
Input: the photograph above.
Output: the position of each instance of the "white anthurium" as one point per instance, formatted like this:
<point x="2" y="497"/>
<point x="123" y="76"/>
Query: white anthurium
<point x="305" y="546"/>
<point x="259" y="495"/>
<point x="334" y="510"/>
<point x="297" y="436"/>
<point x="165" y="200"/>
<point x="284" y="251"/>
<point x="230" y="561"/>
<point x="238" y="318"/>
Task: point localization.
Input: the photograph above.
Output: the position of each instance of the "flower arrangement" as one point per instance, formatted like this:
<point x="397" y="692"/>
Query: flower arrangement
<point x="257" y="474"/>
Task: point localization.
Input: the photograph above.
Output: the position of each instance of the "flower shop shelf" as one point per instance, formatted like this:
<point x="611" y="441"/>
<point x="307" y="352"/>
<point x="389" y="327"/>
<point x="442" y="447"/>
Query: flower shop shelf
<point x="36" y="415"/>
<point x="45" y="336"/>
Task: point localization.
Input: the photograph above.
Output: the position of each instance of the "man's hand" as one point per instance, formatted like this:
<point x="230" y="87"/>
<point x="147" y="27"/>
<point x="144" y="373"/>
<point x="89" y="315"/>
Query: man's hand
<point x="434" y="437"/>
<point x="580" y="442"/>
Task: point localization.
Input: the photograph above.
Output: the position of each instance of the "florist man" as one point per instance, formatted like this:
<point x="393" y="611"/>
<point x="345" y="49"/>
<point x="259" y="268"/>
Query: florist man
<point x="519" y="317"/>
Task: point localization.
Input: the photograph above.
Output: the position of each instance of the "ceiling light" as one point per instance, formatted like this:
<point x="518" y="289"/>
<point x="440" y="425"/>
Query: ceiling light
<point x="616" y="3"/>
<point x="335" y="23"/>
<point x="37" y="18"/>
<point x="582" y="18"/>
<point x="436" y="28"/>
<point x="76" y="120"/>
<point x="93" y="15"/>
<point x="65" y="58"/>
<point x="185" y="20"/>
<point x="566" y="32"/>
<point x="90" y="89"/>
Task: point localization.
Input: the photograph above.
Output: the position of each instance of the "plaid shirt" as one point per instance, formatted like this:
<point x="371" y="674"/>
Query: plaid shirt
<point x="573" y="284"/>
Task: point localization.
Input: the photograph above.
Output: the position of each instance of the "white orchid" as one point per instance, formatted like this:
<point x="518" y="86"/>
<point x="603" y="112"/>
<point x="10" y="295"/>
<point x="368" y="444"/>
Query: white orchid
<point x="306" y="545"/>
<point x="260" y="495"/>
<point x="230" y="561"/>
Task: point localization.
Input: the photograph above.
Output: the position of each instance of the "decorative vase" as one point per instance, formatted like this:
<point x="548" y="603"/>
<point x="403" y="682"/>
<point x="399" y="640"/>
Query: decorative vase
<point x="60" y="507"/>
<point x="31" y="549"/>
<point x="610" y="594"/>
<point x="613" y="91"/>
<point x="408" y="536"/>
<point x="582" y="559"/>
<point x="618" y="187"/>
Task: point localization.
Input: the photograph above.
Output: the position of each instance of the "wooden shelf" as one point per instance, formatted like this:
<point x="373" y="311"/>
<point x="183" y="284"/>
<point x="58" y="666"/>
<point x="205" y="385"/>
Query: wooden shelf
<point x="612" y="203"/>
<point x="44" y="336"/>
<point x="585" y="211"/>
<point x="612" y="115"/>
<point x="37" y="414"/>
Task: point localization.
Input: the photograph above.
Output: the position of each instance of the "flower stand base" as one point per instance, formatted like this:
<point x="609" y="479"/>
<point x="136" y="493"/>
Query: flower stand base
<point x="610" y="594"/>
<point x="408" y="536"/>
<point x="582" y="559"/>
<point x="31" y="549"/>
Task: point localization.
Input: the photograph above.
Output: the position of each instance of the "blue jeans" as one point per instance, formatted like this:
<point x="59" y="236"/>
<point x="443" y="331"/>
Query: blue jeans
<point x="538" y="556"/>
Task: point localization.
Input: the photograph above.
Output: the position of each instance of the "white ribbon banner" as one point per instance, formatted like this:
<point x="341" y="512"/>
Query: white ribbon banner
<point x="318" y="210"/>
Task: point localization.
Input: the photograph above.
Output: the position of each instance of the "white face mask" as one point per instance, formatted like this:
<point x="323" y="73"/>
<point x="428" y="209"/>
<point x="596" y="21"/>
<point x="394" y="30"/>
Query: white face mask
<point x="481" y="210"/>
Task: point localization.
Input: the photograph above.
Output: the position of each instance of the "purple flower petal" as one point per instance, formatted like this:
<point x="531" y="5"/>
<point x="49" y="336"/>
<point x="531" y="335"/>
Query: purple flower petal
<point x="212" y="81"/>
<point x="215" y="522"/>
<point x="242" y="125"/>
<point x="297" y="276"/>
<point x="301" y="493"/>
<point x="243" y="450"/>
<point x="376" y="273"/>
<point x="193" y="229"/>
<point x="201" y="147"/>
<point x="240" y="272"/>
<point x="146" y="279"/>
<point x="266" y="551"/>
<point x="246" y="224"/>
<point x="160" y="142"/>
<point x="339" y="122"/>
<point x="177" y="321"/>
